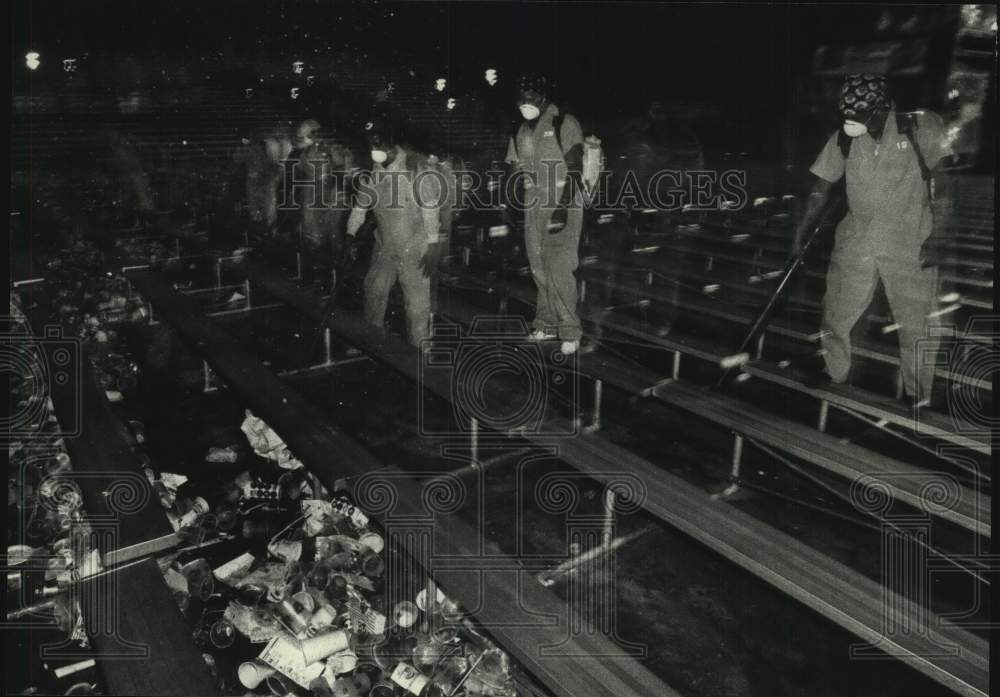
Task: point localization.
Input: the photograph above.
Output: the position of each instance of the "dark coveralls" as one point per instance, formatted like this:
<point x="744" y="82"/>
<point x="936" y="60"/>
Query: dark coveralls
<point x="553" y="257"/>
<point x="404" y="230"/>
<point x="889" y="218"/>
<point x="322" y="205"/>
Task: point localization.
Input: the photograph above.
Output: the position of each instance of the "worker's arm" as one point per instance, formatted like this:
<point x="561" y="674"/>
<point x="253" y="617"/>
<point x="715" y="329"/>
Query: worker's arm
<point x="355" y="220"/>
<point x="935" y="146"/>
<point x="829" y="168"/>
<point x="364" y="200"/>
<point x="571" y="137"/>
<point x="815" y="205"/>
<point x="574" y="173"/>
<point x="432" y="194"/>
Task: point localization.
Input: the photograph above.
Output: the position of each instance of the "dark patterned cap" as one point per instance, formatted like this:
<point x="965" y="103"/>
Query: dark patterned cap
<point x="535" y="83"/>
<point x="861" y="94"/>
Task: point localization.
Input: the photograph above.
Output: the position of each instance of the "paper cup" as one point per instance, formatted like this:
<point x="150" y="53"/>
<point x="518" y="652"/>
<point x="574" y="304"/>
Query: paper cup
<point x="343" y="662"/>
<point x="405" y="613"/>
<point x="18" y="554"/>
<point x="322" y="618"/>
<point x="304" y="602"/>
<point x="373" y="541"/>
<point x="422" y="599"/>
<point x="383" y="689"/>
<point x="372" y="565"/>
<point x="279" y="685"/>
<point x="319" y="647"/>
<point x="253" y="673"/>
<point x="298" y="622"/>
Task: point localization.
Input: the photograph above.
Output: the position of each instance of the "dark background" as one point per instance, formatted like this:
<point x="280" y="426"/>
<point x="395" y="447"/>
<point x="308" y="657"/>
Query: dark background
<point x="744" y="72"/>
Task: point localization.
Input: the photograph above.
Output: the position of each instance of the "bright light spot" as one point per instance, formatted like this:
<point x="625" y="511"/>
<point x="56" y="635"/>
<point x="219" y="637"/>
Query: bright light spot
<point x="734" y="361"/>
<point x="491" y="76"/>
<point x="69" y="65"/>
<point x="294" y="93"/>
<point x="440" y="84"/>
<point x="32" y="60"/>
<point x="451" y="103"/>
<point x="298" y="67"/>
<point x="953" y="93"/>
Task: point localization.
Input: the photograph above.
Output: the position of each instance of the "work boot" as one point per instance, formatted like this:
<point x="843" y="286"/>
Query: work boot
<point x="542" y="335"/>
<point x="913" y="405"/>
<point x="568" y="348"/>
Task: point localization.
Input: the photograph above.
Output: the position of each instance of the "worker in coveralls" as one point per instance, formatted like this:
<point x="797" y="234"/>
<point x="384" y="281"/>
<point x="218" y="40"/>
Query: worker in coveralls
<point x="264" y="172"/>
<point x="547" y="150"/>
<point x="407" y="194"/>
<point x="890" y="231"/>
<point x="315" y="183"/>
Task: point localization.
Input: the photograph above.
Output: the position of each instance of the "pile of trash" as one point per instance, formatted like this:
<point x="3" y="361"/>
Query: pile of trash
<point x="93" y="305"/>
<point x="287" y="588"/>
<point x="142" y="250"/>
<point x="48" y="538"/>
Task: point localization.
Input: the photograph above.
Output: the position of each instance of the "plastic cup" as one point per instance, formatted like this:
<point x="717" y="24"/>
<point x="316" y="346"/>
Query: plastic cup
<point x="322" y="645"/>
<point x="253" y="673"/>
<point x="343" y="662"/>
<point x="373" y="541"/>
<point x="405" y="613"/>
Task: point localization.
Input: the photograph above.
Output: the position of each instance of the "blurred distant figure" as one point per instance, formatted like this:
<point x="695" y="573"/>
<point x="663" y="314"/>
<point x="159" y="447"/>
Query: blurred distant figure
<point x="316" y="176"/>
<point x="127" y="167"/>
<point x="264" y="176"/>
<point x="656" y="141"/>
<point x="407" y="196"/>
<point x="548" y="150"/>
<point x="890" y="231"/>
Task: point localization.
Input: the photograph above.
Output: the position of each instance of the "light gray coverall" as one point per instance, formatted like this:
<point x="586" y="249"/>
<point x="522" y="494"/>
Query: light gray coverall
<point x="553" y="257"/>
<point x="889" y="218"/>
<point x="404" y="231"/>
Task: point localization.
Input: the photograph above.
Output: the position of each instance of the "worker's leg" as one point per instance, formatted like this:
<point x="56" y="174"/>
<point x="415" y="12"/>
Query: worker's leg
<point x="378" y="284"/>
<point x="535" y="221"/>
<point x="416" y="298"/>
<point x="912" y="293"/>
<point x="850" y="285"/>
<point x="560" y="256"/>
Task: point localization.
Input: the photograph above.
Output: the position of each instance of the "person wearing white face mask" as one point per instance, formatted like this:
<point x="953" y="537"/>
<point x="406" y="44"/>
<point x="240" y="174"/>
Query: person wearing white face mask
<point x="408" y="201"/>
<point x="548" y="150"/>
<point x="893" y="230"/>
